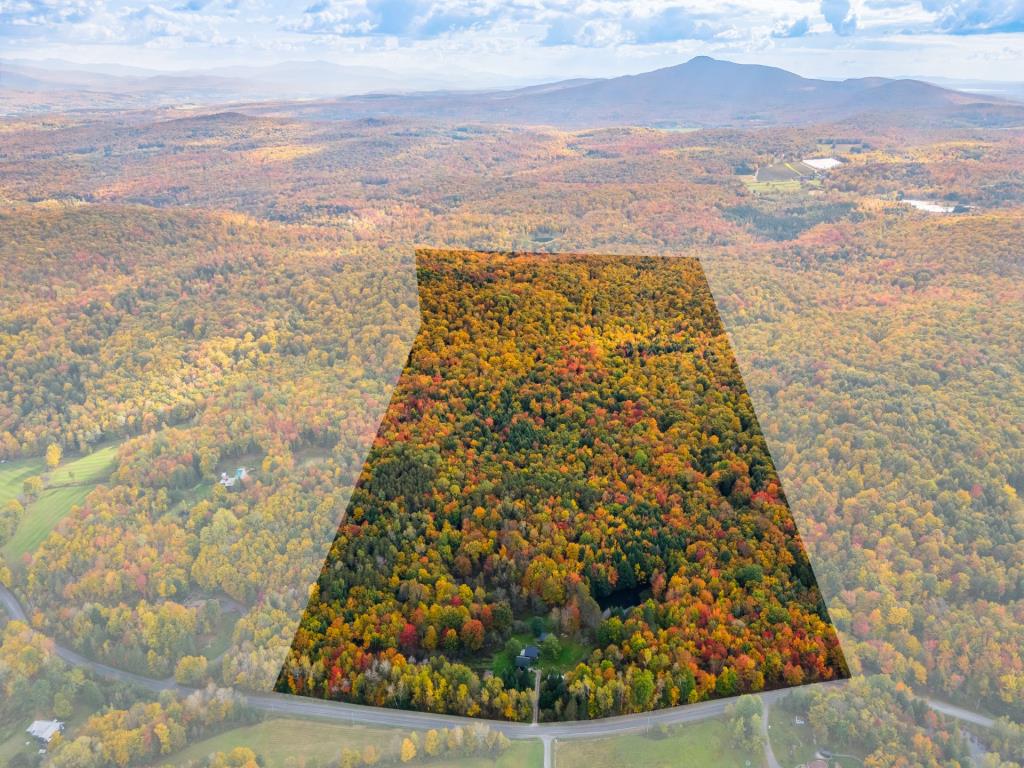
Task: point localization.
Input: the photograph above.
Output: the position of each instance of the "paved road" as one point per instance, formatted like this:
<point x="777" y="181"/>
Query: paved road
<point x="11" y="604"/>
<point x="960" y="713"/>
<point x="285" y="704"/>
<point x="288" y="705"/>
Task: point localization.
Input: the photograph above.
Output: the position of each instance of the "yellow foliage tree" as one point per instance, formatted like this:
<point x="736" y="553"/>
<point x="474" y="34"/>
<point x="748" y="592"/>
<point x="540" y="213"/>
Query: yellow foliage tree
<point x="53" y="455"/>
<point x="408" y="750"/>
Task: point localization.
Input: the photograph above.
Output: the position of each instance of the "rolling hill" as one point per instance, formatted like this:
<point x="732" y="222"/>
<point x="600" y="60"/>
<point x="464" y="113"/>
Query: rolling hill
<point x="700" y="92"/>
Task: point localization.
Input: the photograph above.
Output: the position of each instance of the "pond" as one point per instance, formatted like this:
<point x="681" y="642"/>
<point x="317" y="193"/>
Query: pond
<point x="624" y="598"/>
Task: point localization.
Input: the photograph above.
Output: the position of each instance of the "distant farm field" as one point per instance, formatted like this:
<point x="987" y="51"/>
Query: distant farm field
<point x="790" y="185"/>
<point x="276" y="740"/>
<point x="787" y="171"/>
<point x="703" y="745"/>
<point x="319" y="743"/>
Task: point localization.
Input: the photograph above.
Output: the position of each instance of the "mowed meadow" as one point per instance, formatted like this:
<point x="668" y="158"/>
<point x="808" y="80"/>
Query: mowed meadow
<point x="64" y="488"/>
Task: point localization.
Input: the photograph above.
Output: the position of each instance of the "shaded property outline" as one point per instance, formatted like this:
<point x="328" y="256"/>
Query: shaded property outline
<point x="427" y="267"/>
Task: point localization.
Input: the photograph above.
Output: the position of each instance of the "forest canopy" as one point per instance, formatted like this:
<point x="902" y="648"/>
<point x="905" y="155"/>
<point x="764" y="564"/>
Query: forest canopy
<point x="570" y="443"/>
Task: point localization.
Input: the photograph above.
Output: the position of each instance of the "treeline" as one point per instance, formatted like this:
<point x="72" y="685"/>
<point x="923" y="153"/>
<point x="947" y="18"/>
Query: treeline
<point x="146" y="732"/>
<point x="900" y="724"/>
<point x="283" y="349"/>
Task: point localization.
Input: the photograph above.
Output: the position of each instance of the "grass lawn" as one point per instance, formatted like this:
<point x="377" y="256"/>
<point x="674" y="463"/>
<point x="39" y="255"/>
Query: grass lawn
<point x="67" y="486"/>
<point x="92" y="468"/>
<point x="791" y="185"/>
<point x="522" y="754"/>
<point x="41" y="517"/>
<point x="836" y="149"/>
<point x="792" y="744"/>
<point x="700" y="745"/>
<point x="280" y="738"/>
<point x="188" y="498"/>
<point x="217" y="643"/>
<point x="12" y="741"/>
<point x="570" y="654"/>
<point x="14" y="473"/>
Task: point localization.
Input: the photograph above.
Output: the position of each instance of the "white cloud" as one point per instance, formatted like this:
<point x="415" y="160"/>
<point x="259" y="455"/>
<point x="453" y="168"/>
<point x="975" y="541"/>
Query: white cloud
<point x="840" y="14"/>
<point x="536" y="39"/>
<point x="797" y="28"/>
<point x="969" y="17"/>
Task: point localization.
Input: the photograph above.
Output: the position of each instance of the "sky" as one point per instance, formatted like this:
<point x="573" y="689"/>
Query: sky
<point x="530" y="40"/>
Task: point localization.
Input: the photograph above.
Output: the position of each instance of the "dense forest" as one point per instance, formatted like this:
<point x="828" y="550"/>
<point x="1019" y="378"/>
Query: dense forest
<point x="570" y="433"/>
<point x="188" y="295"/>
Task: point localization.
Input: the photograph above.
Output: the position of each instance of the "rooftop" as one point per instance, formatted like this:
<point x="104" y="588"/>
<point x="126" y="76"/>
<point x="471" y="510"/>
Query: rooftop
<point x="45" y="729"/>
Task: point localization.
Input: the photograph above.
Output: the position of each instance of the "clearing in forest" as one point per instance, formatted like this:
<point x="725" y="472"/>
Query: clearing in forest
<point x="66" y="486"/>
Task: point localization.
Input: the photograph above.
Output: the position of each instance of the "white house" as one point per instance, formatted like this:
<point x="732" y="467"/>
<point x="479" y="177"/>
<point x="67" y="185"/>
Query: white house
<point x="45" y="730"/>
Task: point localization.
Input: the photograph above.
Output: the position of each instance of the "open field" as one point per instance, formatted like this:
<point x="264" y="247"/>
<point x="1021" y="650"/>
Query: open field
<point x="91" y="468"/>
<point x="12" y="741"/>
<point x="14" y="473"/>
<point x="67" y="487"/>
<point x="790" y="185"/>
<point x="41" y="517"/>
<point x="785" y="171"/>
<point x="278" y="739"/>
<point x="707" y="745"/>
<point x="841" y="148"/>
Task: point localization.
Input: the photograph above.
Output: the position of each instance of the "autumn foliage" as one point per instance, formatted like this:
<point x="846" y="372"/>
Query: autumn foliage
<point x="570" y="434"/>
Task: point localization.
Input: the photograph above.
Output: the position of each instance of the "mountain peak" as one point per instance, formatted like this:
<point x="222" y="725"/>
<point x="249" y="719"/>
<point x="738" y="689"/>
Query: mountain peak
<point x="702" y="91"/>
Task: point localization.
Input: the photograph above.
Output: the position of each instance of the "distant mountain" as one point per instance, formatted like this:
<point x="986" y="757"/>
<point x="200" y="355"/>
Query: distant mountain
<point x="701" y="92"/>
<point x="54" y="85"/>
<point x="285" y="80"/>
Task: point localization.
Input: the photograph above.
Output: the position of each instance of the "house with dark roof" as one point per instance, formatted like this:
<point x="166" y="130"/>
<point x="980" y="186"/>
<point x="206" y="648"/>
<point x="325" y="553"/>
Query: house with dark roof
<point x="528" y="657"/>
